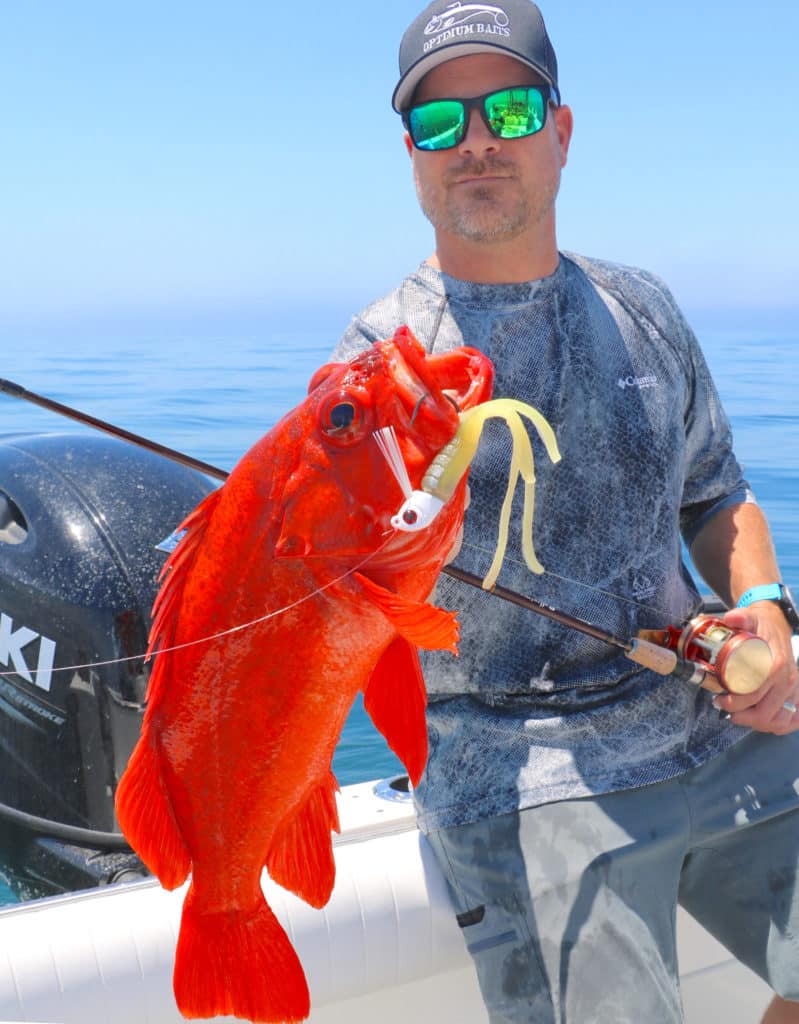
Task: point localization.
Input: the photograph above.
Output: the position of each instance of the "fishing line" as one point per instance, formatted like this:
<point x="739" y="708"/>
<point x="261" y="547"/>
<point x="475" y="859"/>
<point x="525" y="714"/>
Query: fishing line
<point x="569" y="579"/>
<point x="16" y="391"/>
<point x="225" y="632"/>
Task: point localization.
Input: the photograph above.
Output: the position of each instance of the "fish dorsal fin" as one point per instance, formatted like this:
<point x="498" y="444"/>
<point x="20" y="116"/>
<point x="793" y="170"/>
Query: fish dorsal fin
<point x="173" y="578"/>
<point x="395" y="700"/>
<point x="143" y="805"/>
<point x="301" y="855"/>
<point x="420" y="623"/>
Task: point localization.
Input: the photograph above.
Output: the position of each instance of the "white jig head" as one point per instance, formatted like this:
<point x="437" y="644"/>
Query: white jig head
<point x="417" y="512"/>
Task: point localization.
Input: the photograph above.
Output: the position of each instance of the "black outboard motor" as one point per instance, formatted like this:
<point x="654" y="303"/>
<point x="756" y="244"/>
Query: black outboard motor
<point x="80" y="518"/>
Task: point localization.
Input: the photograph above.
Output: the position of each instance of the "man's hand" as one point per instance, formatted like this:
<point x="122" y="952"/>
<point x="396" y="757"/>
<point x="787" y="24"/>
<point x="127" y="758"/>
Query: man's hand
<point x="763" y="709"/>
<point x="733" y="551"/>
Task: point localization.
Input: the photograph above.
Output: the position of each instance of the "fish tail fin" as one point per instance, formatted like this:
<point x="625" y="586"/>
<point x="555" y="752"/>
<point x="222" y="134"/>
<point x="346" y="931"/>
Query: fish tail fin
<point x="145" y="815"/>
<point x="237" y="962"/>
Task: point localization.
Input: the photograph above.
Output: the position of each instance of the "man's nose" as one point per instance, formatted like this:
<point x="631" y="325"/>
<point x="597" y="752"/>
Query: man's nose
<point x="478" y="139"/>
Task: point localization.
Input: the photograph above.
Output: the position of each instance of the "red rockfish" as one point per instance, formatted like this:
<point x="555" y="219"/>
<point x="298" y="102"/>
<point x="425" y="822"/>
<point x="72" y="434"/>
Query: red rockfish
<point x="289" y="593"/>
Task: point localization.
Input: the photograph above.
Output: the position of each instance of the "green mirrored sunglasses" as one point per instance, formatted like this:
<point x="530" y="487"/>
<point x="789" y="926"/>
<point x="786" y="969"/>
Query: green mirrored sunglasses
<point x="511" y="113"/>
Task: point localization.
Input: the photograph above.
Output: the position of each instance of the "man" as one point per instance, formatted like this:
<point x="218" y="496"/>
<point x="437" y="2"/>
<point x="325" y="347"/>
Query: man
<point x="571" y="797"/>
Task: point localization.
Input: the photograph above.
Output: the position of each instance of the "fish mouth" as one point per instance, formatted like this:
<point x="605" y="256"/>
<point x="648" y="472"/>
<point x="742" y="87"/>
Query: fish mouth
<point x="454" y="381"/>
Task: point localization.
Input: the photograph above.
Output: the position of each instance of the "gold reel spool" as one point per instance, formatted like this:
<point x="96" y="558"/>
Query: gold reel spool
<point x="737" y="660"/>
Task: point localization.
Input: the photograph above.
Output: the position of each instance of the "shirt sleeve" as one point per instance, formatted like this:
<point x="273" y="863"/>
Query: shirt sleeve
<point x="714" y="478"/>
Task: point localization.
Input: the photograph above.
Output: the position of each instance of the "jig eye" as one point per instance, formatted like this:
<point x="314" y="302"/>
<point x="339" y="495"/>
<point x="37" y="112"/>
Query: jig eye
<point x="343" y="418"/>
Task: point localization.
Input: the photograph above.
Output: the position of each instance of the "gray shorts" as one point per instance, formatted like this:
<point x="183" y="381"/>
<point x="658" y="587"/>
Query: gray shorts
<point x="568" y="909"/>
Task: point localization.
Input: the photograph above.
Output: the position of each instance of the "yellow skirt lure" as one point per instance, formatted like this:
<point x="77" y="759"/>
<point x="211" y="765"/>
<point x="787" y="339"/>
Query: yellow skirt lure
<point x="446" y="470"/>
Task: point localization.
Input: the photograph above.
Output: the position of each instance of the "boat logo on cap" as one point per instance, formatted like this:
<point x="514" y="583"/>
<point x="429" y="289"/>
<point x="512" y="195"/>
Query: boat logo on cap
<point x="464" y="20"/>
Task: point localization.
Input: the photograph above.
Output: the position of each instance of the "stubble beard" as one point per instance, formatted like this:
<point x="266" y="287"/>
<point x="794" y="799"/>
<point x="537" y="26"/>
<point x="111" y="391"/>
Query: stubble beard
<point x="484" y="213"/>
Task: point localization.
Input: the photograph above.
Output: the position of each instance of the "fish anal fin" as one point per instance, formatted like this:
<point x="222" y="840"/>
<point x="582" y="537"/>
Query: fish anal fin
<point x="301" y="855"/>
<point x="237" y="962"/>
<point x="395" y="699"/>
<point x="422" y="624"/>
<point x="145" y="816"/>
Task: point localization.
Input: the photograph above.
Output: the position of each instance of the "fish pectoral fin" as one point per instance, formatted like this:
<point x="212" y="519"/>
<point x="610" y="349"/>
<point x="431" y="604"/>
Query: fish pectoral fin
<point x="301" y="855"/>
<point x="420" y="623"/>
<point x="395" y="700"/>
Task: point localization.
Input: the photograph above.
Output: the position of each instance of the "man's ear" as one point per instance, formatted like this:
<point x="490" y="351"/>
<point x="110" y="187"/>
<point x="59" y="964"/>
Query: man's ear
<point x="564" y="125"/>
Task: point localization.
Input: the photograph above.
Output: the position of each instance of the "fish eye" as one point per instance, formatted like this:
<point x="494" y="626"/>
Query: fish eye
<point x="342" y="415"/>
<point x="342" y="418"/>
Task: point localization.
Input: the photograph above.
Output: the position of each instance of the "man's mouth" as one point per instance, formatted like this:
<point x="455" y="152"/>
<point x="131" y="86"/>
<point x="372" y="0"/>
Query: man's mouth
<point x="479" y="174"/>
<point x="481" y="179"/>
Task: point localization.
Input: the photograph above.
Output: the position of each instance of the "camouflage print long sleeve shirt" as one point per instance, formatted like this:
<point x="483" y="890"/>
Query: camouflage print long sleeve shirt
<point x="531" y="711"/>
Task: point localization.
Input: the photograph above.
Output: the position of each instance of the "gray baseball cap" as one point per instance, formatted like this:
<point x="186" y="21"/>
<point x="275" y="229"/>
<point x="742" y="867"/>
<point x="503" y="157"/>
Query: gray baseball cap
<point x="446" y="30"/>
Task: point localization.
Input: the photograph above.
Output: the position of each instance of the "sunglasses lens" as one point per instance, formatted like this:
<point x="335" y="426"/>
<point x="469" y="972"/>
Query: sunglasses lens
<point x="514" y="113"/>
<point x="437" y="125"/>
<point x="509" y="113"/>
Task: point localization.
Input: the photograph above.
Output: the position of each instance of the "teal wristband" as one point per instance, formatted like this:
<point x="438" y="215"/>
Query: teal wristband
<point x="778" y="593"/>
<point x="766" y="592"/>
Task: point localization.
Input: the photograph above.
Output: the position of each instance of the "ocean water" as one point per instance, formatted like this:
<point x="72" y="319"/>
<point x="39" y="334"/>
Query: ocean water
<point x="214" y="397"/>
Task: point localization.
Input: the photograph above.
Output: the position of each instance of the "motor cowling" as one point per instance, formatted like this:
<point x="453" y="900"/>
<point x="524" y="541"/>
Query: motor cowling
<point x="80" y="518"/>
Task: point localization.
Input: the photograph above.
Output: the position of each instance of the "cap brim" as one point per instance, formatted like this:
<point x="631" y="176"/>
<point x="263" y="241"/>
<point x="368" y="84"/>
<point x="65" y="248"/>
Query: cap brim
<point x="403" y="94"/>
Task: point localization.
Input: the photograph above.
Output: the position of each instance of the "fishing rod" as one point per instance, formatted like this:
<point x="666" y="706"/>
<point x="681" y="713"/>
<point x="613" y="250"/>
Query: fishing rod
<point x="705" y="651"/>
<point x="16" y="391"/>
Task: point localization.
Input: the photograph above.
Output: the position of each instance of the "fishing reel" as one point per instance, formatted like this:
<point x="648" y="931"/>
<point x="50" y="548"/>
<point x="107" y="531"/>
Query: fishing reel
<point x="732" y="660"/>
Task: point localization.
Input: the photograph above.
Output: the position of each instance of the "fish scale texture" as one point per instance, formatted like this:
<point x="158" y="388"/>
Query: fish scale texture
<point x="531" y="711"/>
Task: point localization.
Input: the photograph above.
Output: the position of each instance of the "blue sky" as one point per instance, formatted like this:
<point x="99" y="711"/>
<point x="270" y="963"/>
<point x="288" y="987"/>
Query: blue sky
<point x="197" y="163"/>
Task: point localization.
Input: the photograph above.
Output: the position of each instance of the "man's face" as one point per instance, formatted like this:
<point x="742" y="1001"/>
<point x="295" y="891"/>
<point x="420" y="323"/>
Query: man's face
<point x="487" y="189"/>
